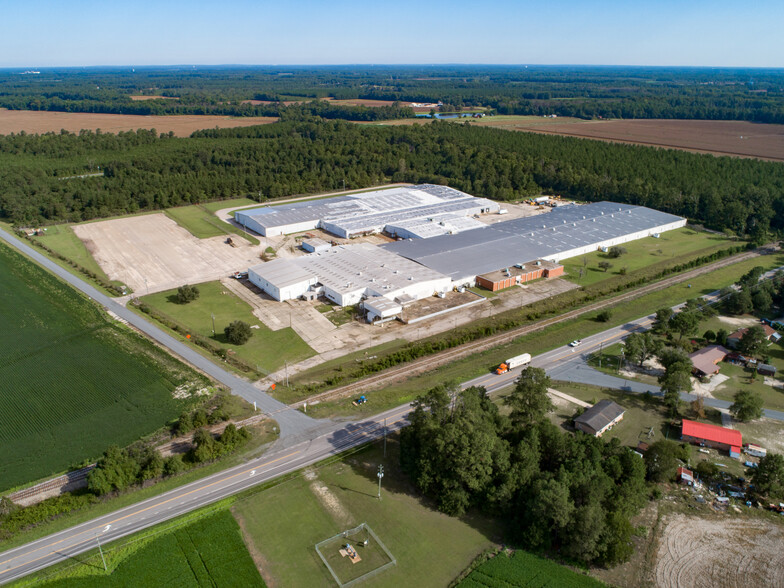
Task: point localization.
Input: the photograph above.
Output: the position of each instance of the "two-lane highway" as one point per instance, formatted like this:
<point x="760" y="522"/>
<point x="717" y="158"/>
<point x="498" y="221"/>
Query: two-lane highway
<point x="64" y="545"/>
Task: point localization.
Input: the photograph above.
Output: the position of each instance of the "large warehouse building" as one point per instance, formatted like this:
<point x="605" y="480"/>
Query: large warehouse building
<point x="567" y="231"/>
<point x="348" y="273"/>
<point x="441" y="209"/>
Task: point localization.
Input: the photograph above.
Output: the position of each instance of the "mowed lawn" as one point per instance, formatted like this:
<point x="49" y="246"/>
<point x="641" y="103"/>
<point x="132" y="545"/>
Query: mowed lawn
<point x="208" y="552"/>
<point x="285" y="522"/>
<point x="266" y="348"/>
<point x="200" y="221"/>
<point x="73" y="382"/>
<point x="643" y="253"/>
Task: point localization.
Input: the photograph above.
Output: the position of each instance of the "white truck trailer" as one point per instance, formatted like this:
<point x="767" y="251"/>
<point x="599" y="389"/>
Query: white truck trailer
<point x="514" y="362"/>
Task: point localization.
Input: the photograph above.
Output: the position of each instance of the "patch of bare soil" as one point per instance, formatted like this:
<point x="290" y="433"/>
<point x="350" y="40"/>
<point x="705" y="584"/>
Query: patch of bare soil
<point x="144" y="98"/>
<point x="329" y="501"/>
<point x="738" y="322"/>
<point x="151" y="252"/>
<point x="735" y="138"/>
<point x="39" y="122"/>
<point x="726" y="552"/>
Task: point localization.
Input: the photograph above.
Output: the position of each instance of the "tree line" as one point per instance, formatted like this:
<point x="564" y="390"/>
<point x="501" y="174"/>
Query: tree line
<point x="585" y="92"/>
<point x="146" y="171"/>
<point x="570" y="494"/>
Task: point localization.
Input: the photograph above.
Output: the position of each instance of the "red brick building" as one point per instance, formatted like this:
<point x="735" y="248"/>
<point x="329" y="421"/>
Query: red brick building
<point x="519" y="274"/>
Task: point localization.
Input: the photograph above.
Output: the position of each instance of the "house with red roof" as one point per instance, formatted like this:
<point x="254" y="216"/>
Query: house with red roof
<point x="714" y="436"/>
<point x="734" y="338"/>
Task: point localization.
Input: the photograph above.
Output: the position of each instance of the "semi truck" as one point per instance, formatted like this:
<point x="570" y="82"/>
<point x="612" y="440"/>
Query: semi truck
<point x="514" y="362"/>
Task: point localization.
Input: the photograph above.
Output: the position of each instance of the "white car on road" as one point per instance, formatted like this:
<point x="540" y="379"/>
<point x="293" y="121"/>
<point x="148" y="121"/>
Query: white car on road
<point x="575" y="343"/>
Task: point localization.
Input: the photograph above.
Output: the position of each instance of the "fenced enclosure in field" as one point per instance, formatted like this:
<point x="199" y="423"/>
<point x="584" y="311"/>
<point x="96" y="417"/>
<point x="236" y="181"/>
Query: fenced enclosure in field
<point x="373" y="556"/>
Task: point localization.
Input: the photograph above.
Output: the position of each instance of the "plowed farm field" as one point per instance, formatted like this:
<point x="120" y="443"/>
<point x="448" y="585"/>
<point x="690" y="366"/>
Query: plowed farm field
<point x="719" y="137"/>
<point x="38" y="122"/>
<point x="720" y="553"/>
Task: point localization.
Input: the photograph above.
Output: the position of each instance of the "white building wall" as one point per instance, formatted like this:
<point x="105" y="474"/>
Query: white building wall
<point x="616" y="241"/>
<point x="289" y="292"/>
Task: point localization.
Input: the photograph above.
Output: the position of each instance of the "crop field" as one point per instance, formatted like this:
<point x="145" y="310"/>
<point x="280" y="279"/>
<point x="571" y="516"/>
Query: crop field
<point x="73" y="382"/>
<point x="208" y="552"/>
<point x="666" y="250"/>
<point x="39" y="122"/>
<point x="735" y="138"/>
<point x="266" y="348"/>
<point x="282" y="524"/>
<point x="523" y="570"/>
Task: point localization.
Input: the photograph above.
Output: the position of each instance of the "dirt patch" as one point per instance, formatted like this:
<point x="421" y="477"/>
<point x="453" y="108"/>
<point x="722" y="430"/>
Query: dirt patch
<point x="37" y="122"/>
<point x="153" y="253"/>
<point x="726" y="551"/>
<point x="706" y="389"/>
<point x="738" y="322"/>
<point x="329" y="501"/>
<point x="773" y="382"/>
<point x="735" y="138"/>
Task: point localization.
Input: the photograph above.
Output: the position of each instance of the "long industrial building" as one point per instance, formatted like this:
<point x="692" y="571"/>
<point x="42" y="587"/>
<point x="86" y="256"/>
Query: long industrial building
<point x="434" y="260"/>
<point x="567" y="231"/>
<point x="347" y="274"/>
<point x="441" y="209"/>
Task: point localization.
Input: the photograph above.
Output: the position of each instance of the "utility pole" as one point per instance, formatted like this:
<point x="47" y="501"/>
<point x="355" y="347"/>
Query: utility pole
<point x="287" y="374"/>
<point x="213" y="323"/>
<point x="98" y="539"/>
<point x="385" y="437"/>
<point x="380" y="475"/>
<point x="601" y="345"/>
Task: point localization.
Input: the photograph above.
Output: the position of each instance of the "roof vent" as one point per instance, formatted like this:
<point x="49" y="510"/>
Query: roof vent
<point x="410" y="278"/>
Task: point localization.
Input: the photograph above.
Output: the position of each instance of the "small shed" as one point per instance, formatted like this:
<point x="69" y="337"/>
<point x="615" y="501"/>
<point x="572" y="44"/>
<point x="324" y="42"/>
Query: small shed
<point x="766" y="370"/>
<point x="685" y="476"/>
<point x="315" y="245"/>
<point x="600" y="418"/>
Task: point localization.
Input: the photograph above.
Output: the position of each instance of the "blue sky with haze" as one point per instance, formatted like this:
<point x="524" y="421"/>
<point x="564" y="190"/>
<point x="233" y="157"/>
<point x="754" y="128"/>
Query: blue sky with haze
<point x="141" y="32"/>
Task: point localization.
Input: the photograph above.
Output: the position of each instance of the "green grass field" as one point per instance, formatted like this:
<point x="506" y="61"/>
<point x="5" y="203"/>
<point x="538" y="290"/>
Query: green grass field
<point x="200" y="221"/>
<point x="666" y="250"/>
<point x="74" y="382"/>
<point x="207" y="552"/>
<point x="214" y="207"/>
<point x="266" y="348"/>
<point x="285" y="522"/>
<point x="524" y="570"/>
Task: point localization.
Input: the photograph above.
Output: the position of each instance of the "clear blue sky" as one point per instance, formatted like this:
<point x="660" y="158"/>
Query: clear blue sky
<point x="40" y="33"/>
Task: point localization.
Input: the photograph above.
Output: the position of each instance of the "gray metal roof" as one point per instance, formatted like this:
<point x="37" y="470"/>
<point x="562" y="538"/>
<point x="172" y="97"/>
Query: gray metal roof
<point x="526" y="239"/>
<point x="600" y="414"/>
<point x="368" y="211"/>
<point x="281" y="273"/>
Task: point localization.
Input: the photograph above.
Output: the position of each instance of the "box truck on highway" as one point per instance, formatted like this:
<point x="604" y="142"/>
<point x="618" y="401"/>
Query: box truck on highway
<point x="514" y="362"/>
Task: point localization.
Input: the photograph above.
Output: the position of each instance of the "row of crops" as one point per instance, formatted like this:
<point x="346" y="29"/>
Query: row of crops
<point x="525" y="570"/>
<point x="72" y="382"/>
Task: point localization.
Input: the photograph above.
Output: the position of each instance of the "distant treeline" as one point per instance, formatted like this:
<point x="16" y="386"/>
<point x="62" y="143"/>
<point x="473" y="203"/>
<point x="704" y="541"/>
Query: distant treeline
<point x="145" y="171"/>
<point x="585" y="92"/>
